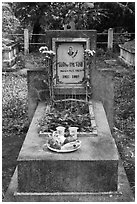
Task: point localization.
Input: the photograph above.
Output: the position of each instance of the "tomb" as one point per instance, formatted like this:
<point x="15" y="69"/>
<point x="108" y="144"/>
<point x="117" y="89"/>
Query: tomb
<point x="10" y="51"/>
<point x="94" y="171"/>
<point x="127" y="53"/>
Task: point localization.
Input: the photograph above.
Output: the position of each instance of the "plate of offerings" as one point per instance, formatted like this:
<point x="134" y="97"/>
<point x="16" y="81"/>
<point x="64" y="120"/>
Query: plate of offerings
<point x="68" y="147"/>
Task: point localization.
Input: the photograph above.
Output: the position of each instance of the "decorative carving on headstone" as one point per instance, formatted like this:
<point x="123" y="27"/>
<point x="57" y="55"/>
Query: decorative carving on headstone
<point x="70" y="25"/>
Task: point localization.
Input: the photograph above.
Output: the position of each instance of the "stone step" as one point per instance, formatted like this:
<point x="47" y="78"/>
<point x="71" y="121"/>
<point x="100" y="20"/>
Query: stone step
<point x="68" y="197"/>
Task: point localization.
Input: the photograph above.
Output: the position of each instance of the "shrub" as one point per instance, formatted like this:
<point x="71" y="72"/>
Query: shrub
<point x="14" y="101"/>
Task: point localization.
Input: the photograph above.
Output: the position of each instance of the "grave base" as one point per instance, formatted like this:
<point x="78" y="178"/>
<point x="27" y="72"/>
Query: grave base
<point x="123" y="194"/>
<point x="28" y="185"/>
<point x="92" y="168"/>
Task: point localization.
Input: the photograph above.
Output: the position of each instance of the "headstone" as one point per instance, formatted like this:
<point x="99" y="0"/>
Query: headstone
<point x="70" y="63"/>
<point x="69" y="69"/>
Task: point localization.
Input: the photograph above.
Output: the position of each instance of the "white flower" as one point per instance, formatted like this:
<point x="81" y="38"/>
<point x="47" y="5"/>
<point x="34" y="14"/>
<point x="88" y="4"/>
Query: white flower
<point x="88" y="84"/>
<point x="90" y="52"/>
<point x="47" y="57"/>
<point x="49" y="52"/>
<point x="41" y="49"/>
<point x="45" y="50"/>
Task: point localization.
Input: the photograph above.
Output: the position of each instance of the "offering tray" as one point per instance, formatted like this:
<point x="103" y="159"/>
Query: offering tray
<point x="66" y="148"/>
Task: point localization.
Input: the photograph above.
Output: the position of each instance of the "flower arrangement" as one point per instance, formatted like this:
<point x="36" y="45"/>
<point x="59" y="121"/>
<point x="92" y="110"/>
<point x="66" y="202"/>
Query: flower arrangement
<point x="88" y="58"/>
<point x="49" y="54"/>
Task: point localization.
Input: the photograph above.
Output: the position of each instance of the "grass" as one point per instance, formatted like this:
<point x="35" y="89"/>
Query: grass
<point x="124" y="131"/>
<point x="14" y="122"/>
<point x="15" y="119"/>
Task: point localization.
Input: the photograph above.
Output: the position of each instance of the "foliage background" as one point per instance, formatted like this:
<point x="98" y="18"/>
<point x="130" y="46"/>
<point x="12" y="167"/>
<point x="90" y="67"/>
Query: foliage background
<point x="41" y="16"/>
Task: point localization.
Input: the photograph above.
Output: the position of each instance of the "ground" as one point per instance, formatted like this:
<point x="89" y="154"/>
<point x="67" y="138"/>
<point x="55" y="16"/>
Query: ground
<point x="15" y="119"/>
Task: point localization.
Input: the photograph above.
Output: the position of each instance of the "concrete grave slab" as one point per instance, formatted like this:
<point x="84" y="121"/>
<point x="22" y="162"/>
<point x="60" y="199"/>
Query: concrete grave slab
<point x="96" y="174"/>
<point x="92" y="168"/>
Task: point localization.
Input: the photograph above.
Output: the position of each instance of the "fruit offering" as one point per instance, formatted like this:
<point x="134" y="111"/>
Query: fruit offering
<point x="56" y="141"/>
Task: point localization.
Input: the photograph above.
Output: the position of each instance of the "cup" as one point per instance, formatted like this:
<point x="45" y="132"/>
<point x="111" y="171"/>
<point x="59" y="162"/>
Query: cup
<point x="73" y="132"/>
<point x="60" y="130"/>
